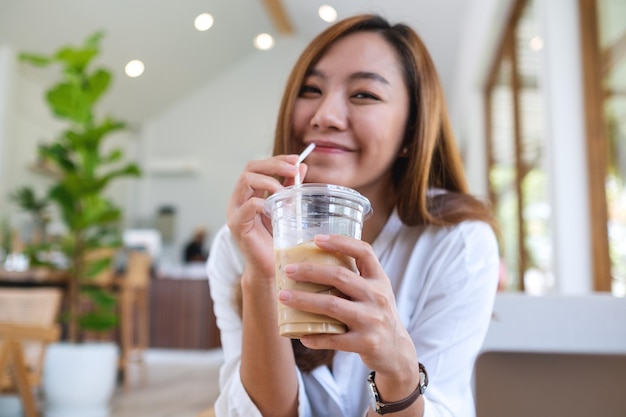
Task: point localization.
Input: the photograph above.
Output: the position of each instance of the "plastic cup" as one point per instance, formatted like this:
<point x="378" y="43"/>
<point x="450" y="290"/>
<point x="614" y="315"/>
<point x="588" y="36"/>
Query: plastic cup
<point x="298" y="213"/>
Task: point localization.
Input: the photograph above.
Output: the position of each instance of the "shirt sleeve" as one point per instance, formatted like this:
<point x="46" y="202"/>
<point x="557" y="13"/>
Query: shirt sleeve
<point x="224" y="269"/>
<point x="456" y="304"/>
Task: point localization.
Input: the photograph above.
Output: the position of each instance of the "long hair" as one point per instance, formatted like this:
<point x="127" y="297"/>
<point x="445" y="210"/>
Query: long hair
<point x="433" y="160"/>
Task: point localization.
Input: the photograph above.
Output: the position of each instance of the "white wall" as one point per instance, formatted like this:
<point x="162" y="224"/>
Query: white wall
<point x="24" y="122"/>
<point x="6" y="71"/>
<point x="218" y="129"/>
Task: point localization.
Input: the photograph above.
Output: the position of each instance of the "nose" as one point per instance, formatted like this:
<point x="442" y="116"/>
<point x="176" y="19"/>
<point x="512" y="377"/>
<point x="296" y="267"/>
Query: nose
<point x="332" y="113"/>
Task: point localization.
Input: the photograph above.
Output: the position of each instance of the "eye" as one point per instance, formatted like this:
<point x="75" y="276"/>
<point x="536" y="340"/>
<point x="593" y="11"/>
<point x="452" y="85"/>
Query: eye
<point x="309" y="91"/>
<point x="363" y="95"/>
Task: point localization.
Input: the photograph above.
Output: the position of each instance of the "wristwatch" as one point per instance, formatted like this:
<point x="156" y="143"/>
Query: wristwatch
<point x="384" y="408"/>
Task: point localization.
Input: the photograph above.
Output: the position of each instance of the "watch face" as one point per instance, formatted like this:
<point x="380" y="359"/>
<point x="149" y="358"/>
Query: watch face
<point x="374" y="398"/>
<point x="374" y="404"/>
<point x="423" y="379"/>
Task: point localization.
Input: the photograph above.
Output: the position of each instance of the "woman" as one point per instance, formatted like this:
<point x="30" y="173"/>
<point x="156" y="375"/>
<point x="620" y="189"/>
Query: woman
<point x="367" y="94"/>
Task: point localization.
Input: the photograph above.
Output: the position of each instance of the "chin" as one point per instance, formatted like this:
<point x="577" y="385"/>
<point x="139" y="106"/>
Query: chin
<point x="325" y="179"/>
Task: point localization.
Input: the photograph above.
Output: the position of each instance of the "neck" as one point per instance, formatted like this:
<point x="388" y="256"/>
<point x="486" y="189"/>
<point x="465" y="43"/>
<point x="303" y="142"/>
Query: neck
<point x="383" y="202"/>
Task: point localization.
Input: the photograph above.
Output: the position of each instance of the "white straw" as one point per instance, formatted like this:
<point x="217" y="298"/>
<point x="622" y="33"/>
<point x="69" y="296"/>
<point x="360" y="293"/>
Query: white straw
<point x="304" y="154"/>
<point x="297" y="181"/>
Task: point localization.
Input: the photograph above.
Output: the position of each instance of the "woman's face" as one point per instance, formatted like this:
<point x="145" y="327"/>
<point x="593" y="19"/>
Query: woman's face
<point x="354" y="106"/>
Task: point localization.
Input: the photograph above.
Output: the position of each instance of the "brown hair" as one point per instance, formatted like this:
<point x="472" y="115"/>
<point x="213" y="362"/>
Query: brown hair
<point x="433" y="161"/>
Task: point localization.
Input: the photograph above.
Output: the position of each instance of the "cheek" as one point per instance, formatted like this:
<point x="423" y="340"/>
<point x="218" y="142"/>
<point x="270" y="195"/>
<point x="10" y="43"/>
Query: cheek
<point x="301" y="118"/>
<point x="389" y="130"/>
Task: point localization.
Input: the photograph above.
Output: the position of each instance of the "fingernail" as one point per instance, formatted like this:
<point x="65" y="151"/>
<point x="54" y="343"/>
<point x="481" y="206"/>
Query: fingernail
<point x="322" y="238"/>
<point x="284" y="295"/>
<point x="290" y="268"/>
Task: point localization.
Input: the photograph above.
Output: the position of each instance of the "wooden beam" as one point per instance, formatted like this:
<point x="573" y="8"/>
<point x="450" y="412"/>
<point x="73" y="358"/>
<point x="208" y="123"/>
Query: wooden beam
<point x="595" y="131"/>
<point x="278" y="15"/>
<point x="613" y="55"/>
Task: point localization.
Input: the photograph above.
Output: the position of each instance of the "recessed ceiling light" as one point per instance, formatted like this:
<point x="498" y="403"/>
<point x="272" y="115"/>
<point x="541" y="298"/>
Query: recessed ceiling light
<point x="134" y="68"/>
<point x="203" y="22"/>
<point x="327" y="13"/>
<point x="264" y="41"/>
<point x="536" y="43"/>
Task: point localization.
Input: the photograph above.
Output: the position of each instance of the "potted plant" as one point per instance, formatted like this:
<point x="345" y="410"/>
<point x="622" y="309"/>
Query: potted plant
<point x="82" y="172"/>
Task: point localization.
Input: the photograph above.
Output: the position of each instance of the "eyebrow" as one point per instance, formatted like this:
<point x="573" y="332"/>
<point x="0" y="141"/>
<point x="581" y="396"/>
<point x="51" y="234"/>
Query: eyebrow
<point x="360" y="75"/>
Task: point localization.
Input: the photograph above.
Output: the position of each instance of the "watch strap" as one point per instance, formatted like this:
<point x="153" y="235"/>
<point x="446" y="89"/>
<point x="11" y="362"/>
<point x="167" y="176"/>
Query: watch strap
<point x="384" y="408"/>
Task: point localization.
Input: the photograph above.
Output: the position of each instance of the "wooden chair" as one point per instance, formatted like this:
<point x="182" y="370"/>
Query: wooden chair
<point x="134" y="295"/>
<point x="27" y="325"/>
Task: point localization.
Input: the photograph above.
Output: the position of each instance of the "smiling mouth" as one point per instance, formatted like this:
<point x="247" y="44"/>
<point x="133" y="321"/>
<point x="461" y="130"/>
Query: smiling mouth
<point x="327" y="147"/>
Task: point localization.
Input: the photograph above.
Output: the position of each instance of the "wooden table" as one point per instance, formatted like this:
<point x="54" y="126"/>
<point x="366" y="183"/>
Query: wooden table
<point x="180" y="313"/>
<point x="32" y="277"/>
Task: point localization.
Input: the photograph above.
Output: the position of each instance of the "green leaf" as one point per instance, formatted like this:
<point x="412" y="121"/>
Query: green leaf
<point x="27" y="200"/>
<point x="93" y="41"/>
<point x="98" y="321"/>
<point x="96" y="267"/>
<point x="130" y="170"/>
<point x="35" y="59"/>
<point x="97" y="84"/>
<point x="68" y="101"/>
<point x="113" y="156"/>
<point x="76" y="59"/>
<point x="101" y="298"/>
<point x="59" y="155"/>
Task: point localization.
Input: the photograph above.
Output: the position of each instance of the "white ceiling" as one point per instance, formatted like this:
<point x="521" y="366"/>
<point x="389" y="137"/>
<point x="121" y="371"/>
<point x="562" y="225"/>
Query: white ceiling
<point x="178" y="58"/>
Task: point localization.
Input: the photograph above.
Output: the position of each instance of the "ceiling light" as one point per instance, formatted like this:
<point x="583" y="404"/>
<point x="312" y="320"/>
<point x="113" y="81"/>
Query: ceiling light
<point x="134" y="68"/>
<point x="264" y="41"/>
<point x="536" y="43"/>
<point x="203" y="22"/>
<point x="327" y="13"/>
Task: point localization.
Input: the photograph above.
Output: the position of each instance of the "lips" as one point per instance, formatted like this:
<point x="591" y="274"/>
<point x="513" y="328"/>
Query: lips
<point x="329" y="147"/>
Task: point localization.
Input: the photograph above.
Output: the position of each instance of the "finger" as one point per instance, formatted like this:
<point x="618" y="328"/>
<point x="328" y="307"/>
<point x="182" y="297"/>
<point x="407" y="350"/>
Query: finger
<point x="259" y="178"/>
<point x="291" y="180"/>
<point x="243" y="219"/>
<point x="280" y="165"/>
<point x="366" y="261"/>
<point x="333" y="306"/>
<point x="340" y="309"/>
<point x="344" y="279"/>
<point x="251" y="184"/>
<point x="346" y="342"/>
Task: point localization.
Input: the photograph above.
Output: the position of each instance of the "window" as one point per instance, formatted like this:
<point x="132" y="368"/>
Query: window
<point x="603" y="28"/>
<point x="516" y="156"/>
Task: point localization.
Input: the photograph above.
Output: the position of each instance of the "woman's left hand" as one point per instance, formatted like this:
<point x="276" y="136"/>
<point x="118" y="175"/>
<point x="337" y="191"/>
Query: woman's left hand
<point x="375" y="331"/>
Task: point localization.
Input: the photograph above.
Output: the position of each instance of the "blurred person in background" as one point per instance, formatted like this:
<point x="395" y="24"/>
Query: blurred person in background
<point x="195" y="250"/>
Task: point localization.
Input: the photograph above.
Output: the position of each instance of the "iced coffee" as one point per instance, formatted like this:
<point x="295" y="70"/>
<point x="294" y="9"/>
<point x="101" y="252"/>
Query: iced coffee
<point x="296" y="323"/>
<point x="298" y="214"/>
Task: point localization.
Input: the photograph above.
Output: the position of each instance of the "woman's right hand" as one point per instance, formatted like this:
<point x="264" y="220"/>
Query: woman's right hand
<point x="246" y="220"/>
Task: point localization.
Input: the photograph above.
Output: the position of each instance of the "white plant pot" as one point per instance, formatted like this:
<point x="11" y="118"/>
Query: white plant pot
<point x="79" y="379"/>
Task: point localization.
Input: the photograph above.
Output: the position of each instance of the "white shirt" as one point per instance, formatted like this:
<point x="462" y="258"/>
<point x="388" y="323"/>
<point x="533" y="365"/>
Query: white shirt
<point x="445" y="282"/>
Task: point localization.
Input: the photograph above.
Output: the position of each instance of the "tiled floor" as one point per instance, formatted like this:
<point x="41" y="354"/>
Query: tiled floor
<point x="179" y="384"/>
